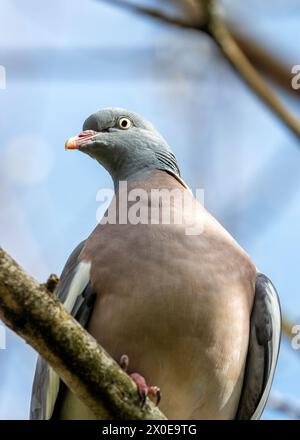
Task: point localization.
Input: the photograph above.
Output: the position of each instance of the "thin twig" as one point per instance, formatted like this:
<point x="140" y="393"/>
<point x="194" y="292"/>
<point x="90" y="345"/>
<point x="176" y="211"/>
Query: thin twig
<point x="153" y="13"/>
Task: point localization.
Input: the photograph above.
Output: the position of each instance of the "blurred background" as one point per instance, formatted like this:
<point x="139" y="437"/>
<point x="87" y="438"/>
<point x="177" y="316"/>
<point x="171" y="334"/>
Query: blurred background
<point x="64" y="60"/>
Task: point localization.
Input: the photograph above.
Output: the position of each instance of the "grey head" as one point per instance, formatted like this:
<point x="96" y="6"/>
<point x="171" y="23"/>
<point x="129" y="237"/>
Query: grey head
<point x="124" y="143"/>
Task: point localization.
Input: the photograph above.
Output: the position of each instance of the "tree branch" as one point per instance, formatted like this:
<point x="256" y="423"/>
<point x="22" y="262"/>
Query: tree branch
<point x="219" y="31"/>
<point x="153" y="13"/>
<point x="275" y="69"/>
<point x="38" y="317"/>
<point x="214" y="25"/>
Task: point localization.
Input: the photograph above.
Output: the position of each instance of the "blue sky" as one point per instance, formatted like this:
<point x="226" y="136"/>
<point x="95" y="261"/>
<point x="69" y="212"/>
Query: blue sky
<point x="64" y="60"/>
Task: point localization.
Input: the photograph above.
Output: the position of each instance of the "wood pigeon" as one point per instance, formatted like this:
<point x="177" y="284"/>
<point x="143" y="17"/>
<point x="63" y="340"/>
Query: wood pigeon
<point x="187" y="313"/>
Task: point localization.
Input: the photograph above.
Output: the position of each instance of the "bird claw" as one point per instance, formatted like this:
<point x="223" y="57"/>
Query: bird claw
<point x="144" y="390"/>
<point x="156" y="393"/>
<point x="124" y="362"/>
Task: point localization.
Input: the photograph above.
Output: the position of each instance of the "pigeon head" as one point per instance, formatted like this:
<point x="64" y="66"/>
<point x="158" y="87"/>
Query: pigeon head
<point x="124" y="143"/>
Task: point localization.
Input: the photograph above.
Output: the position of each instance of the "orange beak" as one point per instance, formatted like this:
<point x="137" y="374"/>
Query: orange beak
<point x="73" y="143"/>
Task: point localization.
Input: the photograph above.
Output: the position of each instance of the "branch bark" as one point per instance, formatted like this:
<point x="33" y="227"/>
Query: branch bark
<point x="38" y="317"/>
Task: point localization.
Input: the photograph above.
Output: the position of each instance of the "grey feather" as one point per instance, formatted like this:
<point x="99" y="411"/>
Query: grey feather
<point x="40" y="384"/>
<point x="264" y="342"/>
<point x="68" y="273"/>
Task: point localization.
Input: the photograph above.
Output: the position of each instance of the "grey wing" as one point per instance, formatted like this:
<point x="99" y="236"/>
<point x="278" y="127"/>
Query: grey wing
<point x="264" y="343"/>
<point x="74" y="291"/>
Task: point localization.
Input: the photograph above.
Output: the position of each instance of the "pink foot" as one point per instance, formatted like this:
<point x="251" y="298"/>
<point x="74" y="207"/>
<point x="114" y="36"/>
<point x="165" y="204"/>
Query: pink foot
<point x="143" y="389"/>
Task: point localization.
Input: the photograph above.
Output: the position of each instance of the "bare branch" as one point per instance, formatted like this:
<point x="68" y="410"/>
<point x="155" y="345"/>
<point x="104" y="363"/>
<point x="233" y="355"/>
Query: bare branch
<point x="153" y="13"/>
<point x="214" y="25"/>
<point x="278" y="71"/>
<point x="39" y="318"/>
<point x="239" y="61"/>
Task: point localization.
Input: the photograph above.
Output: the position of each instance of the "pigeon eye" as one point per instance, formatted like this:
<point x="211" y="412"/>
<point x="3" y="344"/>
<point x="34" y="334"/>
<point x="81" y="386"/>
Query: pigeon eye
<point x="124" y="123"/>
